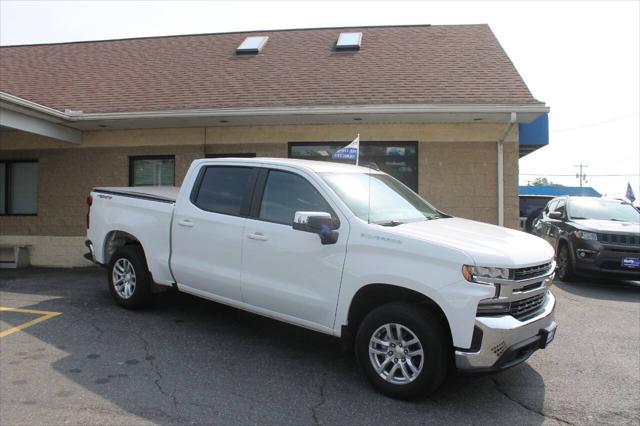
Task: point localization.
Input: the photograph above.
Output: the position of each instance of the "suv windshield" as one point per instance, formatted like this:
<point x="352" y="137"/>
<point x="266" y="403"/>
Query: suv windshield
<point x="601" y="209"/>
<point x="391" y="203"/>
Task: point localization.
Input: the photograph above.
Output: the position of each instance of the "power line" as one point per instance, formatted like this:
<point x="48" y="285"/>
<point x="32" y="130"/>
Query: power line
<point x="573" y="175"/>
<point x="597" y="123"/>
<point x="581" y="176"/>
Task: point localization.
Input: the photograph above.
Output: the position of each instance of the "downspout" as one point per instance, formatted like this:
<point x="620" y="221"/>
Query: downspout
<point x="504" y="135"/>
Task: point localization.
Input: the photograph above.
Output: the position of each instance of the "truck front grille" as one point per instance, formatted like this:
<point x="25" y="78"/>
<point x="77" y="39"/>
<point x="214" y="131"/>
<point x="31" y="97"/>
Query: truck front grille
<point x="525" y="307"/>
<point x="625" y="240"/>
<point x="530" y="272"/>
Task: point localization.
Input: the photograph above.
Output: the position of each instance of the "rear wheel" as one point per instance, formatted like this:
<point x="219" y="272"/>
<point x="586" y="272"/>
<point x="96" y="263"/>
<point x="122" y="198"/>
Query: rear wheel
<point x="129" y="280"/>
<point x="565" y="268"/>
<point x="403" y="350"/>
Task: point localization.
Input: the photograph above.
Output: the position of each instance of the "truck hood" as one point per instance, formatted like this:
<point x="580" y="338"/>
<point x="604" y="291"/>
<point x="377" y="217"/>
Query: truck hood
<point x="487" y="245"/>
<point x="607" y="226"/>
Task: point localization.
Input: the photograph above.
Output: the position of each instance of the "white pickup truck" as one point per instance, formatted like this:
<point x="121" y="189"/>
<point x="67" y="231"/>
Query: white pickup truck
<point x="343" y="250"/>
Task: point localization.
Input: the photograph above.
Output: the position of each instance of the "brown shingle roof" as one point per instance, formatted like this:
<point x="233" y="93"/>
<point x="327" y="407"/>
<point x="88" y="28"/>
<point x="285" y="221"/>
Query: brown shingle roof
<point x="458" y="64"/>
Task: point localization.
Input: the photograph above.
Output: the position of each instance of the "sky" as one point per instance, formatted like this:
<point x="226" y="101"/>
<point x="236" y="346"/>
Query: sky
<point x="581" y="58"/>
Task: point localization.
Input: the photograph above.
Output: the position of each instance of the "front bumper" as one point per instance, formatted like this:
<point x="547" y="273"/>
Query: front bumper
<point x="592" y="258"/>
<point x="507" y="341"/>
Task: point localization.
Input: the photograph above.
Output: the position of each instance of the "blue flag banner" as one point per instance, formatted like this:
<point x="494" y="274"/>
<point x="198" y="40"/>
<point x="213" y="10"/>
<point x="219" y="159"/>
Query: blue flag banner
<point x="630" y="196"/>
<point x="349" y="152"/>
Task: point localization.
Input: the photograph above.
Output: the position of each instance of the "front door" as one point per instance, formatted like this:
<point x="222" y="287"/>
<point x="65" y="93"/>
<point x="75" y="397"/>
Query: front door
<point x="286" y="271"/>
<point x="207" y="232"/>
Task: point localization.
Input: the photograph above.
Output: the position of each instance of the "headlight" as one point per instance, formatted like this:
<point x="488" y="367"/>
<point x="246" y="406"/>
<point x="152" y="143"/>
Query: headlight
<point x="584" y="235"/>
<point x="484" y="274"/>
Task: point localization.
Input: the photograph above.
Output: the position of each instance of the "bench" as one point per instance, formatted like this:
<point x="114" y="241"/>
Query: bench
<point x="14" y="256"/>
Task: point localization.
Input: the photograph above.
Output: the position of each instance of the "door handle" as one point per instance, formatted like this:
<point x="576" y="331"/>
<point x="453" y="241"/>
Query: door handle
<point x="186" y="222"/>
<point x="258" y="236"/>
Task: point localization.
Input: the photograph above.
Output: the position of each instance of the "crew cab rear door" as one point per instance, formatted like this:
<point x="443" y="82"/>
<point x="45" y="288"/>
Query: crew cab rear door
<point x="287" y="271"/>
<point x="207" y="231"/>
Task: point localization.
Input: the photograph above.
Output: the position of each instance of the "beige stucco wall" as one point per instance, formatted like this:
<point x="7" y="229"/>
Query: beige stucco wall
<point x="457" y="169"/>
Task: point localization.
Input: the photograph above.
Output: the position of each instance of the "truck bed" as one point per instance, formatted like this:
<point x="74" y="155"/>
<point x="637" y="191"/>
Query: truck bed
<point x="144" y="212"/>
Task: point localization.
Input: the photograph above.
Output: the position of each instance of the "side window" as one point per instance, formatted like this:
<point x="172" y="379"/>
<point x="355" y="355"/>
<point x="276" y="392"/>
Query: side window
<point x="223" y="189"/>
<point x="550" y="207"/>
<point x="561" y="207"/>
<point x="285" y="194"/>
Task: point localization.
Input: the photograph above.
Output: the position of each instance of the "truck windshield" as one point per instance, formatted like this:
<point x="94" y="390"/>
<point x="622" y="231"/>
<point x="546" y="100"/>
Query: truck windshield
<point x="600" y="209"/>
<point x="391" y="203"/>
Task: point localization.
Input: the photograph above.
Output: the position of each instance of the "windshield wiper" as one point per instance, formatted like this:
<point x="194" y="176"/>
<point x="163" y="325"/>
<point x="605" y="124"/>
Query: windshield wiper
<point x="579" y="218"/>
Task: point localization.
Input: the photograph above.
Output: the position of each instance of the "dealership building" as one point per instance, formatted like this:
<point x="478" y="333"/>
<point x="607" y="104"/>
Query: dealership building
<point x="442" y="108"/>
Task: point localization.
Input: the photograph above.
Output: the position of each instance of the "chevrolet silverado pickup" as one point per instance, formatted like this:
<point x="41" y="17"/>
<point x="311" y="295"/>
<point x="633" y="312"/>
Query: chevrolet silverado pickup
<point x="343" y="250"/>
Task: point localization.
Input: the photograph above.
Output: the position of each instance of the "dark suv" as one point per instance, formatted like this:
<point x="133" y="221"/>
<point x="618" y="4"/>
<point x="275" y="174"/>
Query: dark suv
<point x="592" y="236"/>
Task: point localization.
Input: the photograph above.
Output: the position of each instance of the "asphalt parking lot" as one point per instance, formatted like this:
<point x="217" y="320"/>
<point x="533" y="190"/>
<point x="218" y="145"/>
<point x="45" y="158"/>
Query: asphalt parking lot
<point x="189" y="361"/>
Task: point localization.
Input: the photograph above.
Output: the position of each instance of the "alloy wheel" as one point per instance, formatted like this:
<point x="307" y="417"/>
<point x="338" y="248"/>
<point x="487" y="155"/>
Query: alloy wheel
<point x="396" y="353"/>
<point x="124" y="278"/>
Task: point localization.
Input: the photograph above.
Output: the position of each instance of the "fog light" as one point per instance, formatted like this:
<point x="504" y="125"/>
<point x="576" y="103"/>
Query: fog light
<point x="585" y="254"/>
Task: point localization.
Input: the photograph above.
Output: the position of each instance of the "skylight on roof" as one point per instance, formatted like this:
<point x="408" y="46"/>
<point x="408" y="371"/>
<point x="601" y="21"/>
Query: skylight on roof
<point x="349" y="41"/>
<point x="253" y="44"/>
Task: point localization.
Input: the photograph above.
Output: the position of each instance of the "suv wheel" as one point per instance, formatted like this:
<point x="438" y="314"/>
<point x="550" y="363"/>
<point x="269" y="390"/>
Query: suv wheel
<point x="565" y="268"/>
<point x="403" y="350"/>
<point x="129" y="281"/>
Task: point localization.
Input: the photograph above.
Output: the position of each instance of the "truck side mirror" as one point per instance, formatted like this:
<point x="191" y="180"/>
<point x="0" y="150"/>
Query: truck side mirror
<point x="555" y="215"/>
<point x="320" y="223"/>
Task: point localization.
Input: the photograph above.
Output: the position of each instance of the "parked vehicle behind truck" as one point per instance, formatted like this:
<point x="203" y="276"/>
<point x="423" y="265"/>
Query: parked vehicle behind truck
<point x="339" y="249"/>
<point x="592" y="236"/>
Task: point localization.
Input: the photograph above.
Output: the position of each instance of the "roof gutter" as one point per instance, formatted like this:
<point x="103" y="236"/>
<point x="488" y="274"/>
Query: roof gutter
<point x="18" y="104"/>
<point x="25" y="106"/>
<point x="316" y="110"/>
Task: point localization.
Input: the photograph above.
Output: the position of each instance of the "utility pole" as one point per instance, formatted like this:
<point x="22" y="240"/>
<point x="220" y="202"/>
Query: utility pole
<point x="581" y="176"/>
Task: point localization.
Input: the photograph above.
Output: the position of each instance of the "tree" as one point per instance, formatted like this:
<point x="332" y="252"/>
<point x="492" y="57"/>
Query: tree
<point x="542" y="181"/>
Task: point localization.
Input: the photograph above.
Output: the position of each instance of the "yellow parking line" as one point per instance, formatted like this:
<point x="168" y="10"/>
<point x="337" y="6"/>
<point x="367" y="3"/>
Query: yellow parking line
<point x="45" y="315"/>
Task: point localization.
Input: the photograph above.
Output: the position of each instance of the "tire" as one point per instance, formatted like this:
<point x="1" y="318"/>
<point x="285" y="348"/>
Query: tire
<point x="565" y="267"/>
<point x="429" y="370"/>
<point x="129" y="278"/>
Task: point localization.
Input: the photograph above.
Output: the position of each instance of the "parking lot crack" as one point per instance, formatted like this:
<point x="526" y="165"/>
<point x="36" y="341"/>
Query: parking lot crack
<point x="151" y="360"/>
<point x="314" y="412"/>
<point x="98" y="329"/>
<point x="525" y="406"/>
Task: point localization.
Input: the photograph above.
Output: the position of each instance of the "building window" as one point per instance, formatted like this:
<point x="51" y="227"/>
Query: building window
<point x="18" y="187"/>
<point x="399" y="159"/>
<point x="159" y="170"/>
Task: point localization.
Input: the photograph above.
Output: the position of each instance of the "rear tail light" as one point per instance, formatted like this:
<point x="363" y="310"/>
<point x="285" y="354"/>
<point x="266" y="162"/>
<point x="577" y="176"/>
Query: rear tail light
<point x="89" y="202"/>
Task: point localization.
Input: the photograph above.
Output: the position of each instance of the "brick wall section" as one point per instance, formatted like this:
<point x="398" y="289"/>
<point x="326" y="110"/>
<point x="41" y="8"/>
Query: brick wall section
<point x="457" y="164"/>
<point x="461" y="178"/>
<point x="66" y="176"/>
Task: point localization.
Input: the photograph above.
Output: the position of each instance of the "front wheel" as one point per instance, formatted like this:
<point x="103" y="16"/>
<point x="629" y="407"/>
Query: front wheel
<point x="129" y="281"/>
<point x="565" y="268"/>
<point x="403" y="350"/>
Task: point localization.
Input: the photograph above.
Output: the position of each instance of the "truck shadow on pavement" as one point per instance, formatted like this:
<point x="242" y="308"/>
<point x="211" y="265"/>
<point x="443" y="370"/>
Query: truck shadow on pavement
<point x="187" y="360"/>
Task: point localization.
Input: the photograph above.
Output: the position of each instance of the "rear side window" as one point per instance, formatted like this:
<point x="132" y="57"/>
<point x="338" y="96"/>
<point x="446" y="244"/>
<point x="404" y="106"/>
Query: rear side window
<point x="224" y="189"/>
<point x="287" y="193"/>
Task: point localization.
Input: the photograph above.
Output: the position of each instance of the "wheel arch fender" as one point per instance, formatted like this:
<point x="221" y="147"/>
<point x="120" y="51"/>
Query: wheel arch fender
<point x="373" y="295"/>
<point x="115" y="239"/>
